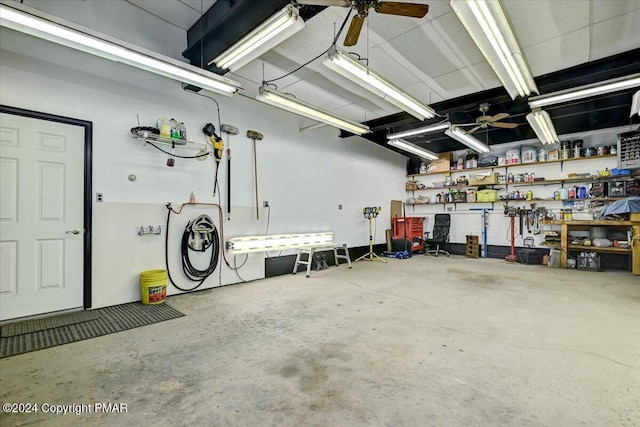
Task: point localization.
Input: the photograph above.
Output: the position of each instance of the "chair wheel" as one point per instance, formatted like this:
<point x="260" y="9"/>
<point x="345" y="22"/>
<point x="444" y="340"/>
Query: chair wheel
<point x="436" y="255"/>
<point x="447" y="255"/>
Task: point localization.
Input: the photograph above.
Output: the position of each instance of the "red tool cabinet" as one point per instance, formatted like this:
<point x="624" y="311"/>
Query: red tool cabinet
<point x="412" y="228"/>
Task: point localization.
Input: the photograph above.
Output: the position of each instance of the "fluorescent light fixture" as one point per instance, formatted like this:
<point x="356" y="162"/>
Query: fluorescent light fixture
<point x="347" y="66"/>
<point x="586" y="91"/>
<point x="489" y="28"/>
<point x="301" y="108"/>
<point x="541" y="124"/>
<point x="248" y="244"/>
<point x="264" y="37"/>
<point x="419" y="131"/>
<point x="468" y="140"/>
<point x="635" y="105"/>
<point x="412" y="148"/>
<point x="30" y="21"/>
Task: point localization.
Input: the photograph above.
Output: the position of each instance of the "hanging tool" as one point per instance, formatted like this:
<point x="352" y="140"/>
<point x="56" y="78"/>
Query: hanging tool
<point x="229" y="130"/>
<point x="521" y="214"/>
<point x="255" y="136"/>
<point x="218" y="149"/>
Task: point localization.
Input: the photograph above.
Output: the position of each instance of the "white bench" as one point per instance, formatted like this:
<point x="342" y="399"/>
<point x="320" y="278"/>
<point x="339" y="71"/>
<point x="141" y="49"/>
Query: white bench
<point x="327" y="244"/>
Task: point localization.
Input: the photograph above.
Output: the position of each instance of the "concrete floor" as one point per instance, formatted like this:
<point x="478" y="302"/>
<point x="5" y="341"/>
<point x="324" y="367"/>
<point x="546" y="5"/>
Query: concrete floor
<point x="419" y="342"/>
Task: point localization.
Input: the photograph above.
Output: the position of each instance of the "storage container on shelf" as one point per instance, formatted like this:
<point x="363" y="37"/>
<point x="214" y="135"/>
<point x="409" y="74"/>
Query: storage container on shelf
<point x="513" y="156"/>
<point x="488" y="195"/>
<point x="529" y="155"/>
<point x="542" y="155"/>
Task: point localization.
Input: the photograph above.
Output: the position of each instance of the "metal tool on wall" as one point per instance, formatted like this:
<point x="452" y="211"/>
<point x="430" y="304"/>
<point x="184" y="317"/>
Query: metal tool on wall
<point x="255" y="136"/>
<point x="229" y="130"/>
<point x="218" y="148"/>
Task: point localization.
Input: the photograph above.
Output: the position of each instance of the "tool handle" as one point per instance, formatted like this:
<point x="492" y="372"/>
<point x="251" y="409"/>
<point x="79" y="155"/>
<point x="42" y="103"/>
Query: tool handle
<point x="228" y="184"/>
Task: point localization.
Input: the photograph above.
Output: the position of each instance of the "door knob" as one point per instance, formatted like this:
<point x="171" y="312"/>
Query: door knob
<point x="74" y="231"/>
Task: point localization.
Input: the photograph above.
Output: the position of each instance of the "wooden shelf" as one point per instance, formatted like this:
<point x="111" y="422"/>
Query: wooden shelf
<point x="598" y="249"/>
<point x="589" y="222"/>
<point x="454" y="186"/>
<point x="570" y="180"/>
<point x="572" y="159"/>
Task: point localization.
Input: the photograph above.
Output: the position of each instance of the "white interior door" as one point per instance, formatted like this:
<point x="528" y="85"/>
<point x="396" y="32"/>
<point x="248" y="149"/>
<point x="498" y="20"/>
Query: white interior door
<point x="41" y="216"/>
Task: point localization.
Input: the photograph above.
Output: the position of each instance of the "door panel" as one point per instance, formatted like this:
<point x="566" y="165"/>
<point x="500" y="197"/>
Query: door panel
<point x="42" y="194"/>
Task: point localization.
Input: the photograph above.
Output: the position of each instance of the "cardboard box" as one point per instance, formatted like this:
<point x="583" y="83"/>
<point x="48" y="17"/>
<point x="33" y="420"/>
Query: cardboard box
<point x="411" y="185"/>
<point x="445" y="156"/>
<point x="440" y="165"/>
<point x="483" y="179"/>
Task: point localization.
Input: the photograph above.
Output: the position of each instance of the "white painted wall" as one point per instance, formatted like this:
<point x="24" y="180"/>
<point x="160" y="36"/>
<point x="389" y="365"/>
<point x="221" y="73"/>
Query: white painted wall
<point x="304" y="176"/>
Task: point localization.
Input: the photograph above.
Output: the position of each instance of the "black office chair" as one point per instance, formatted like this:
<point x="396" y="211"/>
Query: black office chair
<point x="441" y="226"/>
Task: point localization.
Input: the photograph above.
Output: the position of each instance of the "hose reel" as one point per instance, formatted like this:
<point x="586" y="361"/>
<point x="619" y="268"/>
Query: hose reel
<point x="199" y="235"/>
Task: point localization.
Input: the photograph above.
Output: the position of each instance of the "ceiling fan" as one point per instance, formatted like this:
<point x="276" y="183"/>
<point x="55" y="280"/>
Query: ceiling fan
<point x="413" y="10"/>
<point x="484" y="121"/>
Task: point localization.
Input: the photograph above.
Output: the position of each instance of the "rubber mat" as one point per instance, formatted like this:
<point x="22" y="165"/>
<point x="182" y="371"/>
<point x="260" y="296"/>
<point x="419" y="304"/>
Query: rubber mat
<point x="26" y="326"/>
<point x="109" y="320"/>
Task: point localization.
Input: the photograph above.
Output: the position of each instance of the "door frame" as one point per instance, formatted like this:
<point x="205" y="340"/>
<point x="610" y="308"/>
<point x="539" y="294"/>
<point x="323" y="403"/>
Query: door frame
<point x="88" y="161"/>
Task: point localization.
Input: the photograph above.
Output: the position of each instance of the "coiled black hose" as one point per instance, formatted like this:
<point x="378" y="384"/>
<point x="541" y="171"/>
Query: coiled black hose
<point x="192" y="273"/>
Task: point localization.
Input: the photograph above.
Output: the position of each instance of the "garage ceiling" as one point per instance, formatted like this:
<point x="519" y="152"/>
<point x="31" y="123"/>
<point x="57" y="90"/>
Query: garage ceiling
<point x="565" y="42"/>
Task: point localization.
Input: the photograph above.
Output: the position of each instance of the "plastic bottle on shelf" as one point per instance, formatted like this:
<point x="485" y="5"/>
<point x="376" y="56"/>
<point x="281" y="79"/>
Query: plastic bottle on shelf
<point x="165" y="128"/>
<point x="192" y="197"/>
<point x="183" y="131"/>
<point x="175" y="131"/>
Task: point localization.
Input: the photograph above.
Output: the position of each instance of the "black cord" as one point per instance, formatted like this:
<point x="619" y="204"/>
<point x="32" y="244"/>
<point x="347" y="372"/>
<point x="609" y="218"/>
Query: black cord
<point x="268" y="218"/>
<point x="175" y="155"/>
<point x="267" y="232"/>
<point x="211" y="98"/>
<point x="335" y="39"/>
<point x="236" y="268"/>
<point x="191" y="272"/>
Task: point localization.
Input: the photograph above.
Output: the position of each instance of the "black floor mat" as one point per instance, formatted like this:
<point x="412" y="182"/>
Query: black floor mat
<point x="35" y="325"/>
<point x="102" y="321"/>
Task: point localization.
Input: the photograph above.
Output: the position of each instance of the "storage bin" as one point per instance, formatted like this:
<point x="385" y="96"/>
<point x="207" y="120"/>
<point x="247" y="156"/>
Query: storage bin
<point x="488" y="195"/>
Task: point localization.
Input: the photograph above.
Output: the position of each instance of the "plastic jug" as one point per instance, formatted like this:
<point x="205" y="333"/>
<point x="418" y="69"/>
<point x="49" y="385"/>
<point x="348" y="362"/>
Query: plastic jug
<point x="582" y="193"/>
<point x="165" y="128"/>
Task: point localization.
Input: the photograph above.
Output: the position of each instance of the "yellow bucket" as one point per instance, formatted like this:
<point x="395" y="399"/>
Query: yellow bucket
<point x="153" y="286"/>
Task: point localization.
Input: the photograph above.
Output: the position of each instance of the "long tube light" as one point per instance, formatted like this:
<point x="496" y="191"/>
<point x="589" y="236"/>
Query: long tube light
<point x="635" y="105"/>
<point x="586" y="91"/>
<point x="273" y="242"/>
<point x="344" y="64"/>
<point x="420" y="131"/>
<point x="542" y="125"/>
<point x="487" y="24"/>
<point x="301" y="108"/>
<point x="30" y="21"/>
<point x="468" y="140"/>
<point x="265" y="37"/>
<point x="412" y="148"/>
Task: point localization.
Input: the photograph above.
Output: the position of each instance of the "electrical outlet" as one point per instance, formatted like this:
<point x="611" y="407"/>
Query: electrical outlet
<point x="339" y="207"/>
<point x="265" y="204"/>
<point x="98" y="197"/>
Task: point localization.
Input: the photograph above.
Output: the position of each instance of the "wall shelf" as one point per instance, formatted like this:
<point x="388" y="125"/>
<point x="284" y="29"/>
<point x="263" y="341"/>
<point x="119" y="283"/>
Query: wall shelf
<point x="169" y="142"/>
<point x="611" y="249"/>
<point x="572" y="159"/>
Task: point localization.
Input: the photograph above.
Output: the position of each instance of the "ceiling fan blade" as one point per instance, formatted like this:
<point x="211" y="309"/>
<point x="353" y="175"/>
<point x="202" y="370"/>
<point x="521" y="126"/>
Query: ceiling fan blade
<point x="403" y="9"/>
<point x="504" y="125"/>
<point x="469" y="132"/>
<point x="497" y="117"/>
<point x="354" y="31"/>
<point x="343" y="3"/>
